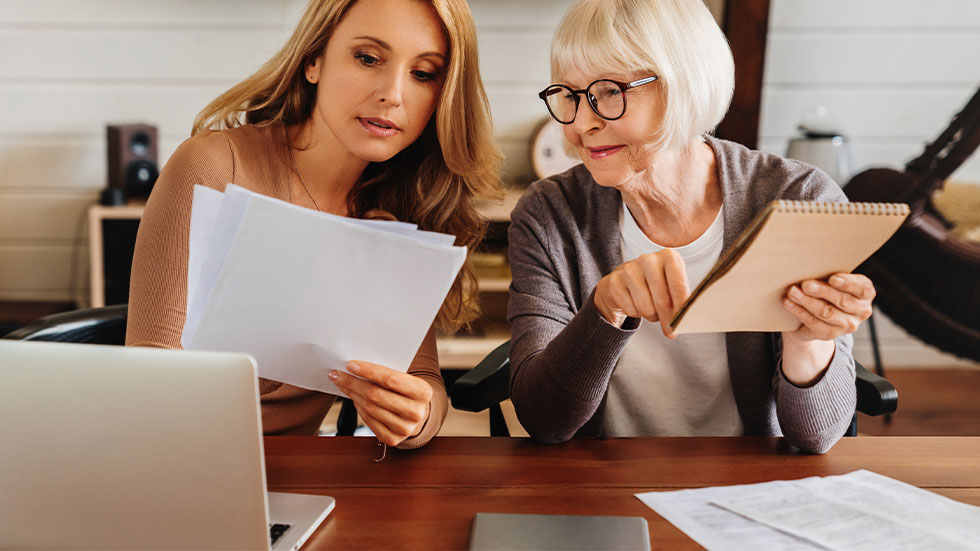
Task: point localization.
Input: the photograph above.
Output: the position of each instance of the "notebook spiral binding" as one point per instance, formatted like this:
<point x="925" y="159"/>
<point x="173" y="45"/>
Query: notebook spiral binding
<point x="843" y="208"/>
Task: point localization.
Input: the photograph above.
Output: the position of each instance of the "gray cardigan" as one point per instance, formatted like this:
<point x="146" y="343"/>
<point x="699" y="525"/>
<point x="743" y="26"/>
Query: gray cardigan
<point x="565" y="236"/>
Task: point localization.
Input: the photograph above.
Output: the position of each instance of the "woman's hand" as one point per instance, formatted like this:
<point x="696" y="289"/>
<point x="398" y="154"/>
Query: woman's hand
<point x="827" y="310"/>
<point x="394" y="405"/>
<point x="651" y="287"/>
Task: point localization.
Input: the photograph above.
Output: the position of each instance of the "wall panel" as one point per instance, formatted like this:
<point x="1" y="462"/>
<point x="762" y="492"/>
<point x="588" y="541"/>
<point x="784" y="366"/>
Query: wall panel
<point x="45" y="217"/>
<point x="138" y="55"/>
<point x="178" y="13"/>
<point x="874" y="15"/>
<point x="886" y="58"/>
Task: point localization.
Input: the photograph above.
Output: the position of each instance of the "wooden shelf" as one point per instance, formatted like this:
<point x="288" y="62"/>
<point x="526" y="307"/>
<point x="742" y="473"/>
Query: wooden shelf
<point x="494" y="285"/>
<point x="499" y="211"/>
<point x="96" y="214"/>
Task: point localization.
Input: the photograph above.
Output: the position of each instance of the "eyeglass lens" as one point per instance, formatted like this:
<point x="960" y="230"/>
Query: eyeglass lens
<point x="605" y="97"/>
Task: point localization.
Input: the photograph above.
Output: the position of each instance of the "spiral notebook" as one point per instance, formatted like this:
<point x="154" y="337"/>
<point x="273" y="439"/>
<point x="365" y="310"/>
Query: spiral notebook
<point x="788" y="242"/>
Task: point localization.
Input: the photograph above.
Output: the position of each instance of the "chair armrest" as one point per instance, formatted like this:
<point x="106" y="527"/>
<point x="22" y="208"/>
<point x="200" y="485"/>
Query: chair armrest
<point x="875" y="395"/>
<point x="486" y="384"/>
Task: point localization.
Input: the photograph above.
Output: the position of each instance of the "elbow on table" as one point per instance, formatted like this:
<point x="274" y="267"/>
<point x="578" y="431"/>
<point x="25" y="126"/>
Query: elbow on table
<point x="815" y="444"/>
<point x="549" y="438"/>
<point x="542" y="432"/>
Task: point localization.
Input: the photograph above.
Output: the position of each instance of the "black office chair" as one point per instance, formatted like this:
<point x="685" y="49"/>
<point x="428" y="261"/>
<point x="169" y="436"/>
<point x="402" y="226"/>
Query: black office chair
<point x="107" y="325"/>
<point x="488" y="384"/>
<point x="91" y="326"/>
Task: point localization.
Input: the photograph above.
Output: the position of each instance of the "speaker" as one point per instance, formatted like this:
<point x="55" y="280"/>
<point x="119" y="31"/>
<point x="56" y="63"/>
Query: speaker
<point x="118" y="244"/>
<point x="132" y="158"/>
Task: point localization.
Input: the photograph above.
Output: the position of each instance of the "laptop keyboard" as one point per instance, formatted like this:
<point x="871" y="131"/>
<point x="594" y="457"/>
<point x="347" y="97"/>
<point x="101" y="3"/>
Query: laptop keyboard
<point x="276" y="531"/>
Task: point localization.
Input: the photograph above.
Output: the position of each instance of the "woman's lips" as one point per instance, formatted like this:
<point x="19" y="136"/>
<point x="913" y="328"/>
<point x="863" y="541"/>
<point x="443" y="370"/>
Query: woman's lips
<point x="379" y="127"/>
<point x="602" y="152"/>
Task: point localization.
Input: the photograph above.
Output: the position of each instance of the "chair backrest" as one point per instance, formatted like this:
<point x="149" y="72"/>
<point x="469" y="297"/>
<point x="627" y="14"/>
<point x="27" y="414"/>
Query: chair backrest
<point x="106" y="325"/>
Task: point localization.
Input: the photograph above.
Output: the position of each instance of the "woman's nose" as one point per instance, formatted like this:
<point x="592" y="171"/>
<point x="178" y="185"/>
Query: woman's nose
<point x="586" y="119"/>
<point x="390" y="88"/>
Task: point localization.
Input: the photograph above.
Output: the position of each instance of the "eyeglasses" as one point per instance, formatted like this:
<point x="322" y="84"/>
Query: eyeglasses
<point x="606" y="97"/>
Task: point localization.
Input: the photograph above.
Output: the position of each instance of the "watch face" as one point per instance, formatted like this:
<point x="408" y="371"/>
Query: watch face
<point x="548" y="154"/>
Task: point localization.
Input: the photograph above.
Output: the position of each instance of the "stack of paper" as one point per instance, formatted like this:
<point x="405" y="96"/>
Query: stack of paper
<point x="305" y="292"/>
<point x="859" y="510"/>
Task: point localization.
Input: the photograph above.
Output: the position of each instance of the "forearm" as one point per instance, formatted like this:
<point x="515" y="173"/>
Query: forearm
<point x="805" y="362"/>
<point x="556" y="389"/>
<point x="815" y="416"/>
<point x="438" y="408"/>
<point x="425" y="366"/>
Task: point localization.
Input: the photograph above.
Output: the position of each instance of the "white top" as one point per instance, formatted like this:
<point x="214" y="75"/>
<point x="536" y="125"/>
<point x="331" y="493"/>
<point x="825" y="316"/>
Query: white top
<point x="672" y="388"/>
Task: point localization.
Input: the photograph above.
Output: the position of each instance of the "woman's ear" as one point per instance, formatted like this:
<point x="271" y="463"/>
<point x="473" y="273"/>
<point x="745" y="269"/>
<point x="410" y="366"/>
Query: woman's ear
<point x="313" y="70"/>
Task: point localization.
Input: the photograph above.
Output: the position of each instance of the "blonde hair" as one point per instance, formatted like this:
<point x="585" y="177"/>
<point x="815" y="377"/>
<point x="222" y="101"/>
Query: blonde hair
<point x="436" y="181"/>
<point x="677" y="40"/>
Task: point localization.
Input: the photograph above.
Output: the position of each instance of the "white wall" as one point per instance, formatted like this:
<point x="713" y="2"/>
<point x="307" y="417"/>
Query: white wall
<point x="69" y="67"/>
<point x="515" y="37"/>
<point x="893" y="71"/>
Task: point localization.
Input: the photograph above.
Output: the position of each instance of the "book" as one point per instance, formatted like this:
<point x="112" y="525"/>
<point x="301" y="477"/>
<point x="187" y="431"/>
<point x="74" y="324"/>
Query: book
<point x="788" y="242"/>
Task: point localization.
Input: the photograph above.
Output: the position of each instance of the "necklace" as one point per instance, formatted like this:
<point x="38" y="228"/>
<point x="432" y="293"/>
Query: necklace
<point x="296" y="169"/>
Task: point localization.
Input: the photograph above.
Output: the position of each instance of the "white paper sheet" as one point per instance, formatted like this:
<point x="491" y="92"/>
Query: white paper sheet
<point x="305" y="292"/>
<point x="204" y="213"/>
<point x="862" y="510"/>
<point x="859" y="510"/>
<point x="715" y="528"/>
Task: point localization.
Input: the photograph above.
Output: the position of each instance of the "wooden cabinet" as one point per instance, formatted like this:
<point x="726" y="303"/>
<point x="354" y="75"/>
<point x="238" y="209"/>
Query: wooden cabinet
<point x="99" y="216"/>
<point x="460" y="351"/>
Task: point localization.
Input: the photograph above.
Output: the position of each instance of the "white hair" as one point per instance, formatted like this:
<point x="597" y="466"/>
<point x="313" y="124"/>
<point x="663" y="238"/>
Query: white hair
<point x="677" y="40"/>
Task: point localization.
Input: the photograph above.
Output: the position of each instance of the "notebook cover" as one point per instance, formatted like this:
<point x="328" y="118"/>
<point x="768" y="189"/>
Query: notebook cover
<point x="790" y="241"/>
<point x="500" y="532"/>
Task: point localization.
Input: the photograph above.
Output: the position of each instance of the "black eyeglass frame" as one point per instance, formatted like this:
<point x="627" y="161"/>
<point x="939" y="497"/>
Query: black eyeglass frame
<point x="623" y="87"/>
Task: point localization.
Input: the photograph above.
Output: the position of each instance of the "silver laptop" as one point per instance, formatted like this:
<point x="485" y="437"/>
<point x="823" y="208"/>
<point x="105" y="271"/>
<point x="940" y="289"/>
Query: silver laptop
<point x="108" y="447"/>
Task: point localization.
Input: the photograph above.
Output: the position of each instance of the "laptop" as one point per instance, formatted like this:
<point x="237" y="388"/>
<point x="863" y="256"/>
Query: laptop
<point x="110" y="447"/>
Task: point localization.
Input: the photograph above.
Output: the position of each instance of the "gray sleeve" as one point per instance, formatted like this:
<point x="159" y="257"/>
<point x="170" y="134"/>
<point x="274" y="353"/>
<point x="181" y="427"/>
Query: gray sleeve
<point x="815" y="417"/>
<point x="561" y="360"/>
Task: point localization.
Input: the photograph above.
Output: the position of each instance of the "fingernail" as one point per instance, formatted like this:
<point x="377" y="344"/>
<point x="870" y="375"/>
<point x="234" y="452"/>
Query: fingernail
<point x="837" y="281"/>
<point x="795" y="292"/>
<point x="353" y="367"/>
<point x="811" y="286"/>
<point x="788" y="304"/>
<point x="334" y="375"/>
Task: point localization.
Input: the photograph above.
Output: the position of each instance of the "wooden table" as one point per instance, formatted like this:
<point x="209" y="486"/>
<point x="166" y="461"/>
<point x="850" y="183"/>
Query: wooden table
<point x="426" y="499"/>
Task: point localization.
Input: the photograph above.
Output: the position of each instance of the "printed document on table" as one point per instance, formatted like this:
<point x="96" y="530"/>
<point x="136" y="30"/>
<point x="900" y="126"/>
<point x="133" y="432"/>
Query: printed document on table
<point x="715" y="528"/>
<point x="860" y="510"/>
<point x="305" y="292"/>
